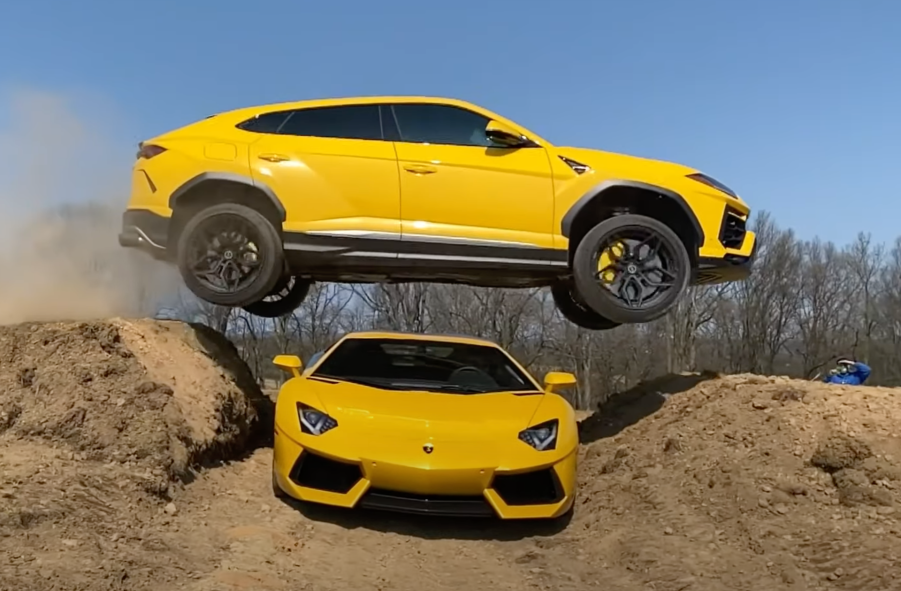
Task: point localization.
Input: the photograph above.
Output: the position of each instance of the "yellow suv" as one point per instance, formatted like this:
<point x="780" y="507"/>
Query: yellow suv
<point x="255" y="204"/>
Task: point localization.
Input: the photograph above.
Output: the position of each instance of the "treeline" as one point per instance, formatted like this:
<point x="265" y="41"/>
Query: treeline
<point x="806" y="302"/>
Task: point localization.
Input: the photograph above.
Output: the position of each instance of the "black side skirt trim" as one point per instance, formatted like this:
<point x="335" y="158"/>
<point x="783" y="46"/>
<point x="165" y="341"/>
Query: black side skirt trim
<point x="345" y="256"/>
<point x="332" y="250"/>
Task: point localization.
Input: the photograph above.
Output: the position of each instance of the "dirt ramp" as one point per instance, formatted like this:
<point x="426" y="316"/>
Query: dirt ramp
<point x="745" y="482"/>
<point x="164" y="395"/>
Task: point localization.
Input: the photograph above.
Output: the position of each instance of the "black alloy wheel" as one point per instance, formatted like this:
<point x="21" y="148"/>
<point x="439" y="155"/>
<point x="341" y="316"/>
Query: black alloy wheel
<point x="631" y="269"/>
<point x="230" y="255"/>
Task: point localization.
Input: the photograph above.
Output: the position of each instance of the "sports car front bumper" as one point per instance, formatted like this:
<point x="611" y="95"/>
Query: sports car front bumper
<point x="426" y="485"/>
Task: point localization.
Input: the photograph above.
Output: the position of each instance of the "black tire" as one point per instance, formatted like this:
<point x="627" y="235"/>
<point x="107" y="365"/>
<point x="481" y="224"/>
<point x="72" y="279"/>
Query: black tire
<point x="674" y="268"/>
<point x="249" y="238"/>
<point x="288" y="294"/>
<point x="574" y="310"/>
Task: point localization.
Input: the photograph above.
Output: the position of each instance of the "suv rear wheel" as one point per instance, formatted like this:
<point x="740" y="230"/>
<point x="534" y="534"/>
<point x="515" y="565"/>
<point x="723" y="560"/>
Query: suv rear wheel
<point x="631" y="269"/>
<point x="230" y="255"/>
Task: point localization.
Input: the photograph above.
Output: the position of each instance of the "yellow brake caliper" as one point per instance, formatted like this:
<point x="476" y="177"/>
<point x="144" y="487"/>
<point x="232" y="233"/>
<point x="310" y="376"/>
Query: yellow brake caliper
<point x="608" y="257"/>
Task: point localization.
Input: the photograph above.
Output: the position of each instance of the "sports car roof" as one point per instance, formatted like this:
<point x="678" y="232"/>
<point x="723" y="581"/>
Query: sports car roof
<point x="400" y="335"/>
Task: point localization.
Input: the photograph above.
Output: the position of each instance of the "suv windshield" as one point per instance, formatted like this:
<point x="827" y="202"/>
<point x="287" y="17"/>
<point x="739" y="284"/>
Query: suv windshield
<point x="415" y="364"/>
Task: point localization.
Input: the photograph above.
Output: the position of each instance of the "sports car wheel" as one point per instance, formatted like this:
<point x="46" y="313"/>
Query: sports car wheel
<point x="574" y="310"/>
<point x="230" y="255"/>
<point x="288" y="294"/>
<point x="631" y="269"/>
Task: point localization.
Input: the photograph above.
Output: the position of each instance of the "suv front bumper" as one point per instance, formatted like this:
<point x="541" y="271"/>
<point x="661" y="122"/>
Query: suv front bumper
<point x="735" y="265"/>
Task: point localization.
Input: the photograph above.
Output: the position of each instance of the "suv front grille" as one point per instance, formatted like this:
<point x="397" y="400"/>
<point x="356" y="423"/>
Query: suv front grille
<point x="732" y="232"/>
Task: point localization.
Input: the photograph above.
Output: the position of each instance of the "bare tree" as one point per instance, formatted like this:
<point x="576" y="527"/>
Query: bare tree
<point x="865" y="261"/>
<point x="826" y="309"/>
<point x="804" y="303"/>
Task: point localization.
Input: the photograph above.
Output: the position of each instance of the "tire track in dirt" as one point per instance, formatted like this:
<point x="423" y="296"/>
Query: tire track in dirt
<point x="274" y="545"/>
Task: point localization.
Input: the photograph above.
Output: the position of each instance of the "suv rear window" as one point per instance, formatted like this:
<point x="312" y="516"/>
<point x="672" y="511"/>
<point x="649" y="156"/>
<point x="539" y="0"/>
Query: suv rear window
<point x="265" y="123"/>
<point x="351" y="122"/>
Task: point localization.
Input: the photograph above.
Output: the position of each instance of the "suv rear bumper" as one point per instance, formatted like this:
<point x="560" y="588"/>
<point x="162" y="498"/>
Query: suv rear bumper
<point x="145" y="230"/>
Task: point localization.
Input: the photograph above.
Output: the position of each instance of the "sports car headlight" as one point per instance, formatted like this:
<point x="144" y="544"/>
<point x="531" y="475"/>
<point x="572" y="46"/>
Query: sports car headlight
<point x="314" y="422"/>
<point x="542" y="437"/>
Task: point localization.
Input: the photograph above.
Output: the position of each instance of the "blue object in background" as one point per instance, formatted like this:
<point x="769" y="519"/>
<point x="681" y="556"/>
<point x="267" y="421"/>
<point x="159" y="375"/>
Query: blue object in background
<point x="855" y="376"/>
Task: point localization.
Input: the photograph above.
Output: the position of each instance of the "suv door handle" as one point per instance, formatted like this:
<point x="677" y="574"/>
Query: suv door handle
<point x="273" y="157"/>
<point x="420" y="168"/>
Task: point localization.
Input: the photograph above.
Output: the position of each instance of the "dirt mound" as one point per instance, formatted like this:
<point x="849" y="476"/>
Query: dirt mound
<point x="99" y="423"/>
<point x="164" y="395"/>
<point x="745" y="482"/>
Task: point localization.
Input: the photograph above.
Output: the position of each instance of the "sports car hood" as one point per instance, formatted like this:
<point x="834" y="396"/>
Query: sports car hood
<point x="442" y="416"/>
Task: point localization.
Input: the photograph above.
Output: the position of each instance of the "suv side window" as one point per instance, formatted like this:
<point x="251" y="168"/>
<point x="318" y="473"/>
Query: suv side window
<point x="441" y="124"/>
<point x="350" y="122"/>
<point x="265" y="122"/>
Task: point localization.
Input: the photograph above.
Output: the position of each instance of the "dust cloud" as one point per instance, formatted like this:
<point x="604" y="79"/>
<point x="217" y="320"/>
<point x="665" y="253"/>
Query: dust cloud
<point x="63" y="186"/>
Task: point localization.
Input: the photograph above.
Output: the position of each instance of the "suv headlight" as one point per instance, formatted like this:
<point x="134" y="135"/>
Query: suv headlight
<point x="314" y="422"/>
<point x="712" y="182"/>
<point x="542" y="437"/>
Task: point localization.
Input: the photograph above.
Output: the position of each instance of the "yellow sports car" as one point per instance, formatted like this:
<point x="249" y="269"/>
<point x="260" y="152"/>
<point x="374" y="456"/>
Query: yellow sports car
<point x="255" y="204"/>
<point x="424" y="424"/>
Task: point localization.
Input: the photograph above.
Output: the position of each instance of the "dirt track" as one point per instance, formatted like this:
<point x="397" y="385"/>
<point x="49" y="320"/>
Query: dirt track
<point x="738" y="483"/>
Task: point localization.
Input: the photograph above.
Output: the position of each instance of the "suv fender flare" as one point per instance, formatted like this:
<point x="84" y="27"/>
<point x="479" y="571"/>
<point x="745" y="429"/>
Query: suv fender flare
<point x="596" y="195"/>
<point x="232" y="178"/>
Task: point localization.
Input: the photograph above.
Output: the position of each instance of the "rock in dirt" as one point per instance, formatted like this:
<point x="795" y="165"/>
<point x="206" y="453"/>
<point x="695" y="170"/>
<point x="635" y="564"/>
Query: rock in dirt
<point x="840" y="451"/>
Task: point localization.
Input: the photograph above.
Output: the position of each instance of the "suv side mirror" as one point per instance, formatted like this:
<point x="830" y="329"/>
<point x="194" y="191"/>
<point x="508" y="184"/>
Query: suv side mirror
<point x="499" y="133"/>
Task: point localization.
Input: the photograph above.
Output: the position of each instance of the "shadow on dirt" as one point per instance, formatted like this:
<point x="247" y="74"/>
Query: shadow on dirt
<point x="627" y="408"/>
<point x="430" y="527"/>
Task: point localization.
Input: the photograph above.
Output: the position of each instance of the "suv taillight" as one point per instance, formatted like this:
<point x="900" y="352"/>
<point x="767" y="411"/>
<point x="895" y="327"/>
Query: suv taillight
<point x="148" y="151"/>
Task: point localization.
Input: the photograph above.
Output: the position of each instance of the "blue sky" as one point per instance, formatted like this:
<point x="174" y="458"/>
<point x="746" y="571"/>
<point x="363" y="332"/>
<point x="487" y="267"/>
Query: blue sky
<point x="794" y="103"/>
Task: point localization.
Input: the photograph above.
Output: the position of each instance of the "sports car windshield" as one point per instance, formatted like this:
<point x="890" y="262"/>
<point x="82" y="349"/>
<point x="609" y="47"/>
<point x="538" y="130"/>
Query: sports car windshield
<point x="438" y="366"/>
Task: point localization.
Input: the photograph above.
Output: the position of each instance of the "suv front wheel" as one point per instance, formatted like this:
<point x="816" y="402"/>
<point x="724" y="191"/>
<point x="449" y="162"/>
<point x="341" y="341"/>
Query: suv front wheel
<point x="288" y="294"/>
<point x="230" y="255"/>
<point x="631" y="269"/>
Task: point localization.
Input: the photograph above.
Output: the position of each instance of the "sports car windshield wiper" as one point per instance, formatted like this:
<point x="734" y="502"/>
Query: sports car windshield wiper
<point x="456" y="388"/>
<point x="371" y="382"/>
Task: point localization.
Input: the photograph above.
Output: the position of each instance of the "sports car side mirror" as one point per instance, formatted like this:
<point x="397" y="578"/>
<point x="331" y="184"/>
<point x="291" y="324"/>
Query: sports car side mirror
<point x="499" y="133"/>
<point x="288" y="363"/>
<point x="558" y="379"/>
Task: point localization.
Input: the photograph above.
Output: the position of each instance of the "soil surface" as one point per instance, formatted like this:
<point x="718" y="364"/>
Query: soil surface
<point x="134" y="455"/>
